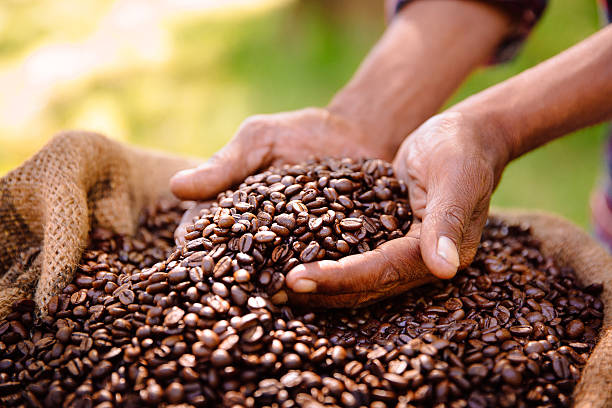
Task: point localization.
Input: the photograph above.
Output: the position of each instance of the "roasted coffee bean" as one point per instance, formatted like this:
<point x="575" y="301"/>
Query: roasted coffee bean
<point x="342" y="185"/>
<point x="310" y="253"/>
<point x="222" y="267"/>
<point x="178" y="275"/>
<point x="389" y="222"/>
<point x="174" y="316"/>
<point x="126" y="296"/>
<point x="220" y="358"/>
<point x="265" y="237"/>
<point x="206" y="324"/>
<point x="575" y="329"/>
<point x="351" y="224"/>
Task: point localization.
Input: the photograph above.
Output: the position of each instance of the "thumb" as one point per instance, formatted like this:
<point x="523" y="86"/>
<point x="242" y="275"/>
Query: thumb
<point x="393" y="267"/>
<point x="241" y="157"/>
<point x="451" y="204"/>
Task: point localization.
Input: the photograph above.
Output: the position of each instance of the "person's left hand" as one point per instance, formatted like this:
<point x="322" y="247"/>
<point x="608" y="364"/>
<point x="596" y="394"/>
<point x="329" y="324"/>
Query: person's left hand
<point x="451" y="165"/>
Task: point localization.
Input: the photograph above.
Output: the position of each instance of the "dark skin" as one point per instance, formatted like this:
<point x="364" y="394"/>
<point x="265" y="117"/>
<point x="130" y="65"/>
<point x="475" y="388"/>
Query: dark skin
<point x="451" y="162"/>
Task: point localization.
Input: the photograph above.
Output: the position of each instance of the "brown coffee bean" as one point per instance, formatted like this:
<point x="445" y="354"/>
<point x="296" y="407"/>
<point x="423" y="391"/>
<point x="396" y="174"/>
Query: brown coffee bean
<point x="310" y="253"/>
<point x="79" y="297"/>
<point x="242" y="276"/>
<point x="389" y="222"/>
<point x="351" y="224"/>
<point x="102" y="369"/>
<point x="208" y="323"/>
<point x="265" y="236"/>
<point x="222" y="267"/>
<point x="174" y="317"/>
<point x="574" y="329"/>
<point x="126" y="296"/>
<point x="226" y="221"/>
<point x="220" y="358"/>
<point x="178" y="274"/>
<point x="175" y="393"/>
<point x="523" y="330"/>
<point x="256" y="302"/>
<point x="208" y="265"/>
<point x="342" y="185"/>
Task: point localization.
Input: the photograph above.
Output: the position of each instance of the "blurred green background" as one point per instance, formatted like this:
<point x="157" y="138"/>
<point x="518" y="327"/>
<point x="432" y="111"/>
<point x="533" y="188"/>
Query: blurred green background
<point x="181" y="76"/>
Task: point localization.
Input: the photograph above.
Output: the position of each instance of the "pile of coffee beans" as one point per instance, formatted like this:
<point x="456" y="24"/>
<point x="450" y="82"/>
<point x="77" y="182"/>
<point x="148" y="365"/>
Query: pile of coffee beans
<point x="207" y="324"/>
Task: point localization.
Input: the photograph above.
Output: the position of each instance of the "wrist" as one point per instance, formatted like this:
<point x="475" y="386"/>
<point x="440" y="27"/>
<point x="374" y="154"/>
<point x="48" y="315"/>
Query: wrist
<point x="416" y="65"/>
<point x="487" y="133"/>
<point x="376" y="136"/>
<point x="357" y="131"/>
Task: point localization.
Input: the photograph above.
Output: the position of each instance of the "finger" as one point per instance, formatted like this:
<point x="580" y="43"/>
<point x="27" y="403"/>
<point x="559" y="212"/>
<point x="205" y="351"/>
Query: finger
<point x="179" y="234"/>
<point x="247" y="152"/>
<point x="188" y="219"/>
<point x="451" y="202"/>
<point x="417" y="193"/>
<point x="473" y="233"/>
<point x="391" y="268"/>
<point x="314" y="300"/>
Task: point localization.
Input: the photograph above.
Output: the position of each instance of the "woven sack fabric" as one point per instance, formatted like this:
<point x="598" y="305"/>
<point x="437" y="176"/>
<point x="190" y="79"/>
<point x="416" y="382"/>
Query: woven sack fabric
<point x="570" y="246"/>
<point x="49" y="204"/>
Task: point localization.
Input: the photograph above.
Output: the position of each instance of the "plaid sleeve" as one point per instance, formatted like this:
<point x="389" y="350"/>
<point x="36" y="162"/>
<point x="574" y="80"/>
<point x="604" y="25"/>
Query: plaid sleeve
<point x="525" y="14"/>
<point x="606" y="10"/>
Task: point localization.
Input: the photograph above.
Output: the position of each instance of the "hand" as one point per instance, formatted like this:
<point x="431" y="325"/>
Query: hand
<point x="451" y="165"/>
<point x="266" y="140"/>
<point x="189" y="218"/>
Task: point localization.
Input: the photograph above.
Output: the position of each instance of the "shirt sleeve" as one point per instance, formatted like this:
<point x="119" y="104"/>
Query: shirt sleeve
<point x="524" y="13"/>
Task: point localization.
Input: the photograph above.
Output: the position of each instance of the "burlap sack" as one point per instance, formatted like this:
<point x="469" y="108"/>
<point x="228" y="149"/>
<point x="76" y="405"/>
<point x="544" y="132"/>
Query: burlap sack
<point x="571" y="246"/>
<point x="48" y="205"/>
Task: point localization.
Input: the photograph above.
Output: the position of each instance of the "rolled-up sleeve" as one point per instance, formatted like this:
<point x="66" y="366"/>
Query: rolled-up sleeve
<point x="525" y="14"/>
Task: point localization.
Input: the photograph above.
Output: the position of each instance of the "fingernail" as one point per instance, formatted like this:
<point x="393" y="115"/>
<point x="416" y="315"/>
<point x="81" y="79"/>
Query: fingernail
<point x="304" y="286"/>
<point x="448" y="251"/>
<point x="181" y="175"/>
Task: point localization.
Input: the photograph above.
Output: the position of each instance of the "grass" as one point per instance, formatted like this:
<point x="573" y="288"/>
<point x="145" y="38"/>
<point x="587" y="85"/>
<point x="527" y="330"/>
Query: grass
<point x="225" y="67"/>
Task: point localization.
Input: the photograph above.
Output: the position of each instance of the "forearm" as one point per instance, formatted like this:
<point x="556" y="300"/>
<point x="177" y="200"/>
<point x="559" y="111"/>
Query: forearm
<point x="424" y="55"/>
<point x="558" y="96"/>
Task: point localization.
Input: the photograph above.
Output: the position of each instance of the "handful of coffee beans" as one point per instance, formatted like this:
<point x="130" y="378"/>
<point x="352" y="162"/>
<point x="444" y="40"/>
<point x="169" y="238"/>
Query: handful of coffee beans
<point x="207" y="324"/>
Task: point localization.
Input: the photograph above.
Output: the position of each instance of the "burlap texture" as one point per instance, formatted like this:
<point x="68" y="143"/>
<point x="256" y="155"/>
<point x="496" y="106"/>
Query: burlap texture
<point x="571" y="246"/>
<point x="80" y="179"/>
<point x="48" y="205"/>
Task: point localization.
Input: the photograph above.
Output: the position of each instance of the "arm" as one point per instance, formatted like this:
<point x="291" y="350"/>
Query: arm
<point x="424" y="55"/>
<point x="429" y="48"/>
<point x="569" y="91"/>
<point x="453" y="162"/>
<point x="563" y="94"/>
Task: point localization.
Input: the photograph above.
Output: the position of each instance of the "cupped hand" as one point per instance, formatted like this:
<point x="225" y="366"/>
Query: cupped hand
<point x="266" y="140"/>
<point x="451" y="165"/>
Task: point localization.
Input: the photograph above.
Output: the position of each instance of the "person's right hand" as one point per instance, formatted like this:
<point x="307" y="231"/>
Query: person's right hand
<point x="266" y="140"/>
<point x="451" y="165"/>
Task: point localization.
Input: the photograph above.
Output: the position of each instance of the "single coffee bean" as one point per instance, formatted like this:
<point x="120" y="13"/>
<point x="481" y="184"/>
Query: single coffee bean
<point x="389" y="222"/>
<point x="575" y="329"/>
<point x="220" y="358"/>
<point x="351" y="224"/>
<point x="310" y="253"/>
<point x="126" y="296"/>
<point x="265" y="236"/>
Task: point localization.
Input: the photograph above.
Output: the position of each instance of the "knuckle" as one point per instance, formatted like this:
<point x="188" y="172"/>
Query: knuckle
<point x="454" y="217"/>
<point x="254" y="125"/>
<point x="312" y="111"/>
<point x="390" y="274"/>
<point x="478" y="168"/>
<point x="448" y="122"/>
<point x="467" y="254"/>
<point x="365" y="299"/>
